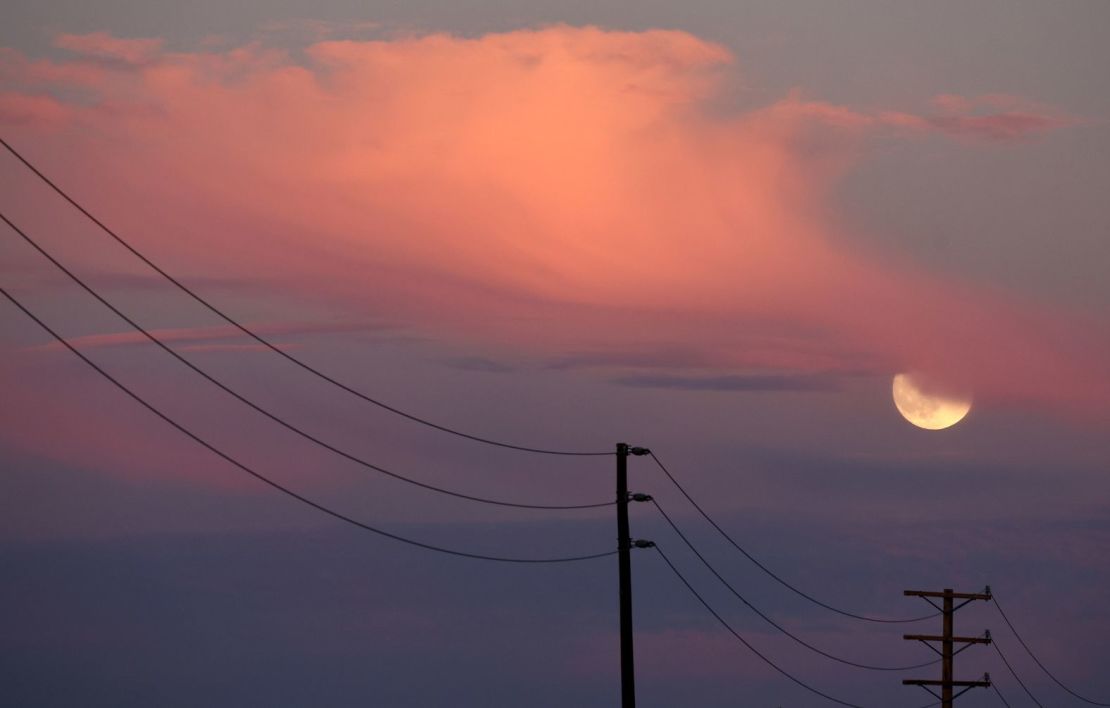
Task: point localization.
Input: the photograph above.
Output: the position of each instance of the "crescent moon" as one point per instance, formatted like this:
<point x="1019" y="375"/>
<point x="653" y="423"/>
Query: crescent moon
<point x="925" y="410"/>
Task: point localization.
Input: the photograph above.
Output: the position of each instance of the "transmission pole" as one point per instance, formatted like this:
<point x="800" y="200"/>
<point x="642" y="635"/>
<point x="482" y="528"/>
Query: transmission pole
<point x="947" y="641"/>
<point x="624" y="564"/>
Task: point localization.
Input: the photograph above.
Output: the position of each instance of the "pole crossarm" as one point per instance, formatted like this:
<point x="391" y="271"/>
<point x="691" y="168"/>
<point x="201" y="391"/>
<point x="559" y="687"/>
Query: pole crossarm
<point x="948" y="640"/>
<point x="932" y="682"/>
<point x="954" y="595"/>
<point x="939" y="638"/>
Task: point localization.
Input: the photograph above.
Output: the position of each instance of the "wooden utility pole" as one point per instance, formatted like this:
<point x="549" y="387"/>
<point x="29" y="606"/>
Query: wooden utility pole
<point x="947" y="641"/>
<point x="624" y="565"/>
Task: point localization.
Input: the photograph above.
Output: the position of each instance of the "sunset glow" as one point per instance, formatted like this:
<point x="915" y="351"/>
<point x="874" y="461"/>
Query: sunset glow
<point x="326" y="326"/>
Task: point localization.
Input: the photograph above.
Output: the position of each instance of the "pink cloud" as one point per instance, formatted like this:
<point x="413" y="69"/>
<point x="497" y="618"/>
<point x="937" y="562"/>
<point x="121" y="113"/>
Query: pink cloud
<point x="232" y="347"/>
<point x="202" y="338"/>
<point x="994" y="117"/>
<point x="44" y="401"/>
<point x="563" y="189"/>
<point x="996" y="127"/>
<point x="58" y="409"/>
<point x="989" y="118"/>
<point x="17" y="108"/>
<point x="19" y="70"/>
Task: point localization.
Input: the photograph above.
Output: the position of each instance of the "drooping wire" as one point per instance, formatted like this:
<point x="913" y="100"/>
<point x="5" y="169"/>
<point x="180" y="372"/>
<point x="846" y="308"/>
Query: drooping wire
<point x="273" y="347"/>
<point x="769" y="620"/>
<point x="266" y="480"/>
<point x="1002" y="698"/>
<point x="272" y="416"/>
<point x="1038" y="661"/>
<point x="724" y="623"/>
<point x="741" y="639"/>
<point x="768" y="571"/>
<point x="1013" y="673"/>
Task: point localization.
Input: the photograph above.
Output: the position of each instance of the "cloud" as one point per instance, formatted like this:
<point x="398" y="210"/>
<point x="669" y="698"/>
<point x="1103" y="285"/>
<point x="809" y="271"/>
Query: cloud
<point x="478" y="363"/>
<point x="653" y="355"/>
<point x="553" y="190"/>
<point x="999" y="127"/>
<point x="232" y="347"/>
<point x="206" y="338"/>
<point x="992" y="118"/>
<point x="70" y="418"/>
<point x="763" y="346"/>
<point x="750" y="383"/>
<point x="17" y="108"/>
<point x="101" y="45"/>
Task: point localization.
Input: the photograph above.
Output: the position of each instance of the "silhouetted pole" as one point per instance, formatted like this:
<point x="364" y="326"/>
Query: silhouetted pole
<point x="625" y="544"/>
<point x="624" y="562"/>
<point x="947" y="640"/>
<point x="946" y="651"/>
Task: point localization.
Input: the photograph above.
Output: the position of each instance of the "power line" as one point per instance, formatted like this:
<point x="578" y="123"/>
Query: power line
<point x="417" y="419"/>
<point x="1038" y="661"/>
<point x="272" y="416"/>
<point x="994" y="685"/>
<point x="1014" y="674"/>
<point x="768" y="571"/>
<point x="772" y="622"/>
<point x="272" y="347"/>
<point x="745" y="642"/>
<point x="266" y="480"/>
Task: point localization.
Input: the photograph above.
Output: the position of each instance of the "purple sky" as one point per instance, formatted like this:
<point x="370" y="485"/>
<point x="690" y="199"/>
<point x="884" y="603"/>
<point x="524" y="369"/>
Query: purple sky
<point x="716" y="230"/>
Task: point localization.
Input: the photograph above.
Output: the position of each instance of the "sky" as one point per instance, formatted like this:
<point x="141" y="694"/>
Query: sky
<point x="717" y="230"/>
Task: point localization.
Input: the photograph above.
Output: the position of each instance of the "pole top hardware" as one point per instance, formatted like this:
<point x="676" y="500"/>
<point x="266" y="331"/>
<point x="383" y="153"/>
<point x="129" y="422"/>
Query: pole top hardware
<point x="639" y="451"/>
<point x="640" y="497"/>
<point x="638" y="543"/>
<point x="949" y="593"/>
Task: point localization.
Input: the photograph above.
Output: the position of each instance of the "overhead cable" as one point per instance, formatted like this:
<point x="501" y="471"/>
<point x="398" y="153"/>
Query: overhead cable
<point x="741" y="639"/>
<point x="747" y="644"/>
<point x="768" y="571"/>
<point x="772" y="622"/>
<point x="994" y="685"/>
<point x="1013" y="673"/>
<point x="266" y="480"/>
<point x="1038" y="661"/>
<point x="272" y="416"/>
<point x="270" y="345"/>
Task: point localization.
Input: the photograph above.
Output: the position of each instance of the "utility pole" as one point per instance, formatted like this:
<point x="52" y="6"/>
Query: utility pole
<point x="624" y="564"/>
<point x="947" y="641"/>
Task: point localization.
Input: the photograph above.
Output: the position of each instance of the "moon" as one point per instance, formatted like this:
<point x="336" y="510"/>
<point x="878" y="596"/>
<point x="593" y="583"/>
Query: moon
<point x="926" y="410"/>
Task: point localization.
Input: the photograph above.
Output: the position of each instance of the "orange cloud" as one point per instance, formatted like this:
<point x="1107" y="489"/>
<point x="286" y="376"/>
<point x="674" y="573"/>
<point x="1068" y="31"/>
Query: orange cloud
<point x="564" y="189"/>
